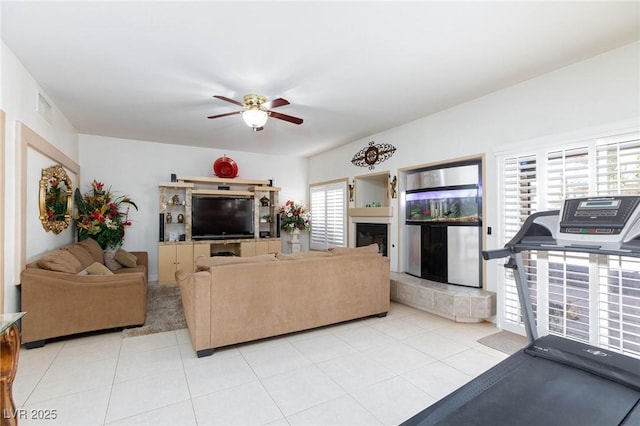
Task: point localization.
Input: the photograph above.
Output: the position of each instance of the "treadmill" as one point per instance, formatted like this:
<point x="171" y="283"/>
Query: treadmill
<point x="555" y="380"/>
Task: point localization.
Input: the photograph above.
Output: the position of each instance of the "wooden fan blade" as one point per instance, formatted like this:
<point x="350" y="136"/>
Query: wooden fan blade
<point x="277" y="103"/>
<point x="285" y="117"/>
<point x="233" y="101"/>
<point x="225" y="114"/>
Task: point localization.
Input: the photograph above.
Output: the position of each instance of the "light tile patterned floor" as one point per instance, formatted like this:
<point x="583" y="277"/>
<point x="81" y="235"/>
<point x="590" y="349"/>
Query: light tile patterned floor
<point x="367" y="372"/>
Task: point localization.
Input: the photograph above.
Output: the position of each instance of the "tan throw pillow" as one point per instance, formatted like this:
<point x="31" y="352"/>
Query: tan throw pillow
<point x="93" y="248"/>
<point x="126" y="259"/>
<point x="370" y="249"/>
<point x="302" y="255"/>
<point x="97" y="268"/>
<point x="204" y="263"/>
<point x="81" y="254"/>
<point x="60" y="261"/>
<point x="110" y="260"/>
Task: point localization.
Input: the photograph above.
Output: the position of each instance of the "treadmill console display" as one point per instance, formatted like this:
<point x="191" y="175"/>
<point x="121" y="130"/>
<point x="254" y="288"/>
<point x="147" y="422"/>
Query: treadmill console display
<point x="597" y="216"/>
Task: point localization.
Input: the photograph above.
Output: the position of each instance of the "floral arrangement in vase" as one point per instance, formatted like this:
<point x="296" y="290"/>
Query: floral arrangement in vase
<point x="294" y="216"/>
<point x="101" y="216"/>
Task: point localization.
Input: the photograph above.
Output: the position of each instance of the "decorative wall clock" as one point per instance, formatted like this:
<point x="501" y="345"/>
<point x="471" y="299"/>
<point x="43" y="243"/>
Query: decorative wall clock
<point x="373" y="154"/>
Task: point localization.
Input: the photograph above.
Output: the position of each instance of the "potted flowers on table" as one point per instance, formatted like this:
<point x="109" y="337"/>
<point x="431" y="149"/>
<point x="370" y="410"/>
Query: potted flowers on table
<point x="294" y="218"/>
<point x="102" y="216"/>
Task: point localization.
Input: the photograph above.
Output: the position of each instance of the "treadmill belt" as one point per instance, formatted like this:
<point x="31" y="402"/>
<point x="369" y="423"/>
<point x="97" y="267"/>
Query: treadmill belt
<point x="527" y="390"/>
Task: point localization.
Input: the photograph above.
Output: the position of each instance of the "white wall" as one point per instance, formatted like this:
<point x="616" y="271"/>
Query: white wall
<point x="135" y="168"/>
<point x="19" y="101"/>
<point x="601" y="92"/>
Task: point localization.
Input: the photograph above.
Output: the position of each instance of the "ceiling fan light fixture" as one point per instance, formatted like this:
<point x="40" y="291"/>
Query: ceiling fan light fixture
<point x="255" y="117"/>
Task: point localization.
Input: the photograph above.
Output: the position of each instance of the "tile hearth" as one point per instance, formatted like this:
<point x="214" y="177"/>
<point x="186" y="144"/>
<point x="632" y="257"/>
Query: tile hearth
<point x="457" y="303"/>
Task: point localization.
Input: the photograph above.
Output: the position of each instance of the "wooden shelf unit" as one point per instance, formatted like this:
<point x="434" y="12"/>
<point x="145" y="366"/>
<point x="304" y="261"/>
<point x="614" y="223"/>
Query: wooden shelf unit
<point x="176" y="255"/>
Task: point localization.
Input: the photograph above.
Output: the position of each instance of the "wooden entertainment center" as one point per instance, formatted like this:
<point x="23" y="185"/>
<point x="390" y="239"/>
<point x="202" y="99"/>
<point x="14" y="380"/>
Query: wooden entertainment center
<point x="176" y="248"/>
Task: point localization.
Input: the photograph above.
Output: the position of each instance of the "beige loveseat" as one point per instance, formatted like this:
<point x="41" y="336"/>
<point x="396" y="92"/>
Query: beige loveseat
<point x="235" y="300"/>
<point x="61" y="298"/>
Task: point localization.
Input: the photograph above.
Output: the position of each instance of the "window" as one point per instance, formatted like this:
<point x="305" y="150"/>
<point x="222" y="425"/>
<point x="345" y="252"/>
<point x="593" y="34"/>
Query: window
<point x="520" y="200"/>
<point x="328" y="215"/>
<point x="606" y="312"/>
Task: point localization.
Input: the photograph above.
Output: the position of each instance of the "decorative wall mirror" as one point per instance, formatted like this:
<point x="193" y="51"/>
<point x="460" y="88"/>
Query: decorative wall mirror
<point x="55" y="199"/>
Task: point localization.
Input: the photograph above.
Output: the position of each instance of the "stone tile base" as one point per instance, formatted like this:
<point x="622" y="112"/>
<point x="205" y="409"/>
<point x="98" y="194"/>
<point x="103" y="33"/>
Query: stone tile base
<point x="457" y="303"/>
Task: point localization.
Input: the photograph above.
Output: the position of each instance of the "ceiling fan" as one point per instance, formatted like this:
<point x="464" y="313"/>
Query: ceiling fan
<point x="257" y="110"/>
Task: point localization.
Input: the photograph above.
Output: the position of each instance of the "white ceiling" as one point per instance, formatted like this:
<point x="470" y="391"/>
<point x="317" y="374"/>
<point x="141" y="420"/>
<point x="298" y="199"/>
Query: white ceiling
<point x="148" y="70"/>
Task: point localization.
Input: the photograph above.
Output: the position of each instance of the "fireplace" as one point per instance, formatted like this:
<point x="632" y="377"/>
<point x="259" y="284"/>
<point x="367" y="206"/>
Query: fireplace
<point x="369" y="233"/>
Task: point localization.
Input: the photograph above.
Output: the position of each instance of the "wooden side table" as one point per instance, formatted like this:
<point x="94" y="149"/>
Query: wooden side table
<point x="9" y="352"/>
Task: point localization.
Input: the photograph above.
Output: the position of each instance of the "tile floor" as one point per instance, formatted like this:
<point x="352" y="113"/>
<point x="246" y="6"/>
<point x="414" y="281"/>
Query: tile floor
<point x="366" y="372"/>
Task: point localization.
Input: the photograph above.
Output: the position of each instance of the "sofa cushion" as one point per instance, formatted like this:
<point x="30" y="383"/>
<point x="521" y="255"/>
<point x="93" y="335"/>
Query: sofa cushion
<point x="204" y="263"/>
<point x="60" y="261"/>
<point x="97" y="268"/>
<point x="93" y="248"/>
<point x="302" y="255"/>
<point x="81" y="254"/>
<point x="370" y="249"/>
<point x="126" y="259"/>
<point x="110" y="260"/>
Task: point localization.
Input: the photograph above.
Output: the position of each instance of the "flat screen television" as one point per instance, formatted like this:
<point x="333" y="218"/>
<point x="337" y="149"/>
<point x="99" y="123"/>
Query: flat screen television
<point x="221" y="218"/>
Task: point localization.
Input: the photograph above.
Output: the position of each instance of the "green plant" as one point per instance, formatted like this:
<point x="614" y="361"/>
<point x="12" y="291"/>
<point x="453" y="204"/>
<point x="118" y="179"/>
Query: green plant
<point x="101" y="216"/>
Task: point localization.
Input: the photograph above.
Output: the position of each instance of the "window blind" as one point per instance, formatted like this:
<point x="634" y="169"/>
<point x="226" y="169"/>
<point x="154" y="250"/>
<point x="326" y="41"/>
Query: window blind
<point x="520" y="201"/>
<point x="328" y="215"/>
<point x="607" y="312"/>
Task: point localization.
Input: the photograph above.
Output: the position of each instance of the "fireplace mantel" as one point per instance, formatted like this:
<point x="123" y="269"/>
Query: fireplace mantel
<point x="370" y="212"/>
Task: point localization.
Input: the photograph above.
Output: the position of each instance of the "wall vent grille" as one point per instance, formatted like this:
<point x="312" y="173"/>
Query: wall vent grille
<point x="44" y="108"/>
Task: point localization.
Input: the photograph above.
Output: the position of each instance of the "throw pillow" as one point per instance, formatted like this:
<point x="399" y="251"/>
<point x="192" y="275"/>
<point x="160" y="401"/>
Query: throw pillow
<point x="126" y="259"/>
<point x="204" y="263"/>
<point x="370" y="249"/>
<point x="81" y="254"/>
<point x="97" y="268"/>
<point x="93" y="248"/>
<point x="110" y="260"/>
<point x="302" y="255"/>
<point x="60" y="261"/>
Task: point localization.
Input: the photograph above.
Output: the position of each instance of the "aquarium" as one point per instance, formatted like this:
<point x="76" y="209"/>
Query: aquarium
<point x="447" y="205"/>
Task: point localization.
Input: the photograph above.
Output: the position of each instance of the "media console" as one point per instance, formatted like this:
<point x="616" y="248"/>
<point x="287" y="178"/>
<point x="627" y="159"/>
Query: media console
<point x="178" y="247"/>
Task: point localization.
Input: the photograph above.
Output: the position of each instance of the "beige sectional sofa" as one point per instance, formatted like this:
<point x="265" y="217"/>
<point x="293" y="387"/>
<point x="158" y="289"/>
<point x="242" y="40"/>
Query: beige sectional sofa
<point x="61" y="298"/>
<point x="234" y="300"/>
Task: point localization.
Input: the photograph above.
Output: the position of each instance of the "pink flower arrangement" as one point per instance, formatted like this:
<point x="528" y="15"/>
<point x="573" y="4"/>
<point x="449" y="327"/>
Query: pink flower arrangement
<point x="294" y="216"/>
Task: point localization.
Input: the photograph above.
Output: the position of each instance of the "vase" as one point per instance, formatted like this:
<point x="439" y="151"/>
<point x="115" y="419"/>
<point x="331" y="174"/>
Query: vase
<point x="295" y="234"/>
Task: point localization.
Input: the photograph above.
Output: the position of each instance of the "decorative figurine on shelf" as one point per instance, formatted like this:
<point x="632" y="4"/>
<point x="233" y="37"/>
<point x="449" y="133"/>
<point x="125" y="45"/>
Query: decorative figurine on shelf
<point x="392" y="186"/>
<point x="175" y="200"/>
<point x="169" y="218"/>
<point x="180" y="218"/>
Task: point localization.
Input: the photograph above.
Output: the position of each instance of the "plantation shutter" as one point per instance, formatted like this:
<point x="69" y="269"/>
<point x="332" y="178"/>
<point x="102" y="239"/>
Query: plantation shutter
<point x="328" y="215"/>
<point x="618" y="167"/>
<point x="567" y="175"/>
<point x="520" y="201"/>
<point x="607" y="312"/>
<point x="618" y="292"/>
<point x="564" y="308"/>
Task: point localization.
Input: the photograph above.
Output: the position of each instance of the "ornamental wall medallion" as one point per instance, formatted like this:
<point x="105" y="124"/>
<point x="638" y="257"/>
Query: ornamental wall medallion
<point x="373" y="154"/>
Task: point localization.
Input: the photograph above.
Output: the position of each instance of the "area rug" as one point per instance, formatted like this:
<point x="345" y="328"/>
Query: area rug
<point x="504" y="341"/>
<point x="164" y="311"/>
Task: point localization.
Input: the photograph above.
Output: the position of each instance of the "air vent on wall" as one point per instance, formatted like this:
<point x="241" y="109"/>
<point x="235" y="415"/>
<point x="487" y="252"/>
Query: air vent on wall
<point x="44" y="108"/>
